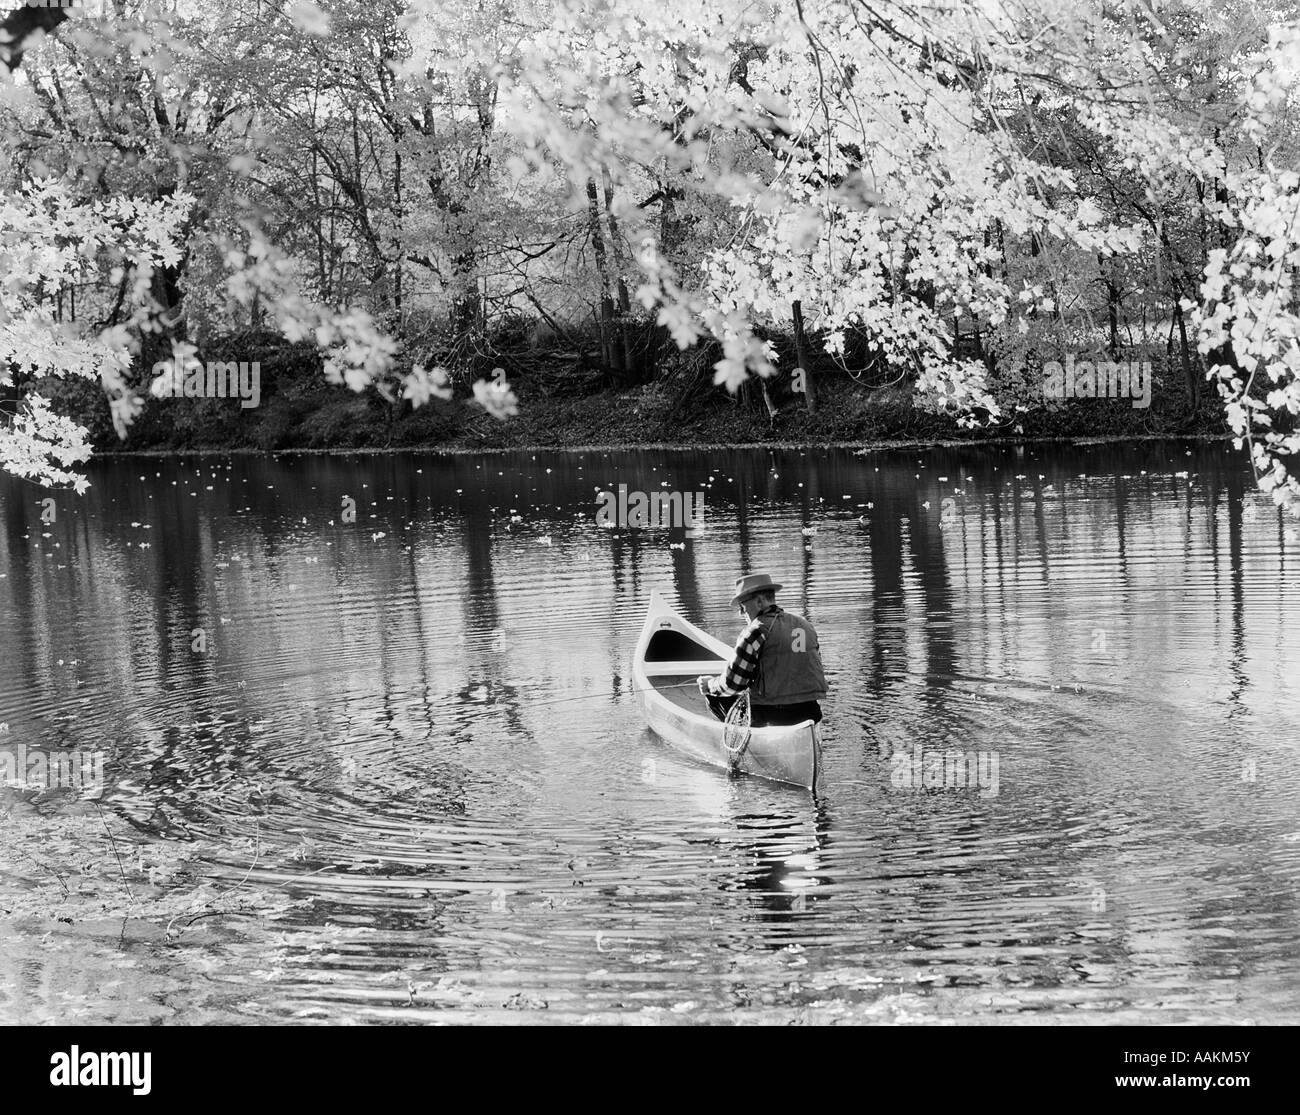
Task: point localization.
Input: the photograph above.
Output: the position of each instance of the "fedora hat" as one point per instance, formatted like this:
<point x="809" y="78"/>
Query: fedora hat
<point x="755" y="582"/>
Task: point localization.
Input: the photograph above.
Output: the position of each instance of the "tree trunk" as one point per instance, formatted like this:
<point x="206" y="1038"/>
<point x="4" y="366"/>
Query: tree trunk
<point x="616" y="243"/>
<point x="801" y="356"/>
<point x="466" y="306"/>
<point x="671" y="236"/>
<point x="624" y="306"/>
<point x="1189" y="376"/>
<point x="767" y="401"/>
<point x="610" y="352"/>
<point x="1112" y="307"/>
<point x="398" y="252"/>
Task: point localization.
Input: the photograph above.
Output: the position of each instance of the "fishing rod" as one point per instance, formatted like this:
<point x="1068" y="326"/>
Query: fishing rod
<point x="590" y="696"/>
<point x="317" y="670"/>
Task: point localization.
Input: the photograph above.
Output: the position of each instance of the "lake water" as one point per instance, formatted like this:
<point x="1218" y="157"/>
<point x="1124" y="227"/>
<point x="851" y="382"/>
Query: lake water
<point x="391" y="770"/>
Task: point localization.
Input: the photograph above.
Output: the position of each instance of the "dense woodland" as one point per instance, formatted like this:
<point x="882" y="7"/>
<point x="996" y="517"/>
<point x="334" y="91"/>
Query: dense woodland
<point x="818" y="219"/>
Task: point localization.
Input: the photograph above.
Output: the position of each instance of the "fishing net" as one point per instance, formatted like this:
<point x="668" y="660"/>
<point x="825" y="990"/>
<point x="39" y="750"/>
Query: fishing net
<point x="735" y="729"/>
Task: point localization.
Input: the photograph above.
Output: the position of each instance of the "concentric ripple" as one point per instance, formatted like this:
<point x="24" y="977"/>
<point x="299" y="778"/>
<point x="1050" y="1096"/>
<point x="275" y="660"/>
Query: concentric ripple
<point x="391" y="768"/>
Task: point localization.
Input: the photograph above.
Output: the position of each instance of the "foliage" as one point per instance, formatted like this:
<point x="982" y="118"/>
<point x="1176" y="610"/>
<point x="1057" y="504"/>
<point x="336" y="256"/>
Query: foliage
<point x="949" y="192"/>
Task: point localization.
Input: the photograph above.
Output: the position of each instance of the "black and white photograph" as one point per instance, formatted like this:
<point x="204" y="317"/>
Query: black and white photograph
<point x="650" y="513"/>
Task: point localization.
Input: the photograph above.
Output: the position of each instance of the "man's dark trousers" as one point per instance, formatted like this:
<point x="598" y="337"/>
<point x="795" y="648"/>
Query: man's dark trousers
<point x="767" y="716"/>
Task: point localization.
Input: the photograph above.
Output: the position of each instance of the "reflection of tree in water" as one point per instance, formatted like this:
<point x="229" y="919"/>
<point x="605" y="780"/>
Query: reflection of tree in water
<point x="486" y="679"/>
<point x="906" y="612"/>
<point x="21" y="523"/>
<point x="625" y="548"/>
<point x="686" y="579"/>
<point x="1233" y="482"/>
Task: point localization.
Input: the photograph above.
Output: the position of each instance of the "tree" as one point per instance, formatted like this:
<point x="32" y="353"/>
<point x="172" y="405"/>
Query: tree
<point x="891" y="172"/>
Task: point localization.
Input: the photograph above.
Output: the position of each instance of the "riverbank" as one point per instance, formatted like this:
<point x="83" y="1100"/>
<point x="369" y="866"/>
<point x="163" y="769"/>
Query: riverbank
<point x="878" y="446"/>
<point x="571" y="409"/>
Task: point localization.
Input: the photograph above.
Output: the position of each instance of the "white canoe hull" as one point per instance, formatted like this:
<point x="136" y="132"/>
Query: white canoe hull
<point x="672" y="650"/>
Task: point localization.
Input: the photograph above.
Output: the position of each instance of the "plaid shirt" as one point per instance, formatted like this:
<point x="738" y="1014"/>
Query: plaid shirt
<point x="743" y="667"/>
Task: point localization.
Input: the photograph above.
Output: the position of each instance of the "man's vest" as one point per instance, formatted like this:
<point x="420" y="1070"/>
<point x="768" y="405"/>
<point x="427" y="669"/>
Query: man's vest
<point x="790" y="663"/>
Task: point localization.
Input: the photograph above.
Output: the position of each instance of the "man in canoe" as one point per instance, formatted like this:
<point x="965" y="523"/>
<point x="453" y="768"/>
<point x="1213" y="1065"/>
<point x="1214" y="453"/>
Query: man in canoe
<point x="776" y="658"/>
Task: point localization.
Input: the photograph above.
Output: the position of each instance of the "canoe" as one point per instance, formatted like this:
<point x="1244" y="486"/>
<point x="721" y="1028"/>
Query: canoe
<point x="672" y="650"/>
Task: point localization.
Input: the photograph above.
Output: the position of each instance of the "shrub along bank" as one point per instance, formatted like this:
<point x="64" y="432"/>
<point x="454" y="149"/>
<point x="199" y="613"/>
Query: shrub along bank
<point x="566" y="401"/>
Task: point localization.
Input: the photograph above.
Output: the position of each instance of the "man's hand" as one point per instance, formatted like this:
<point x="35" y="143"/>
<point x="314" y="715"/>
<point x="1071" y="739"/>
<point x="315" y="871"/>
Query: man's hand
<point x="703" y="682"/>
